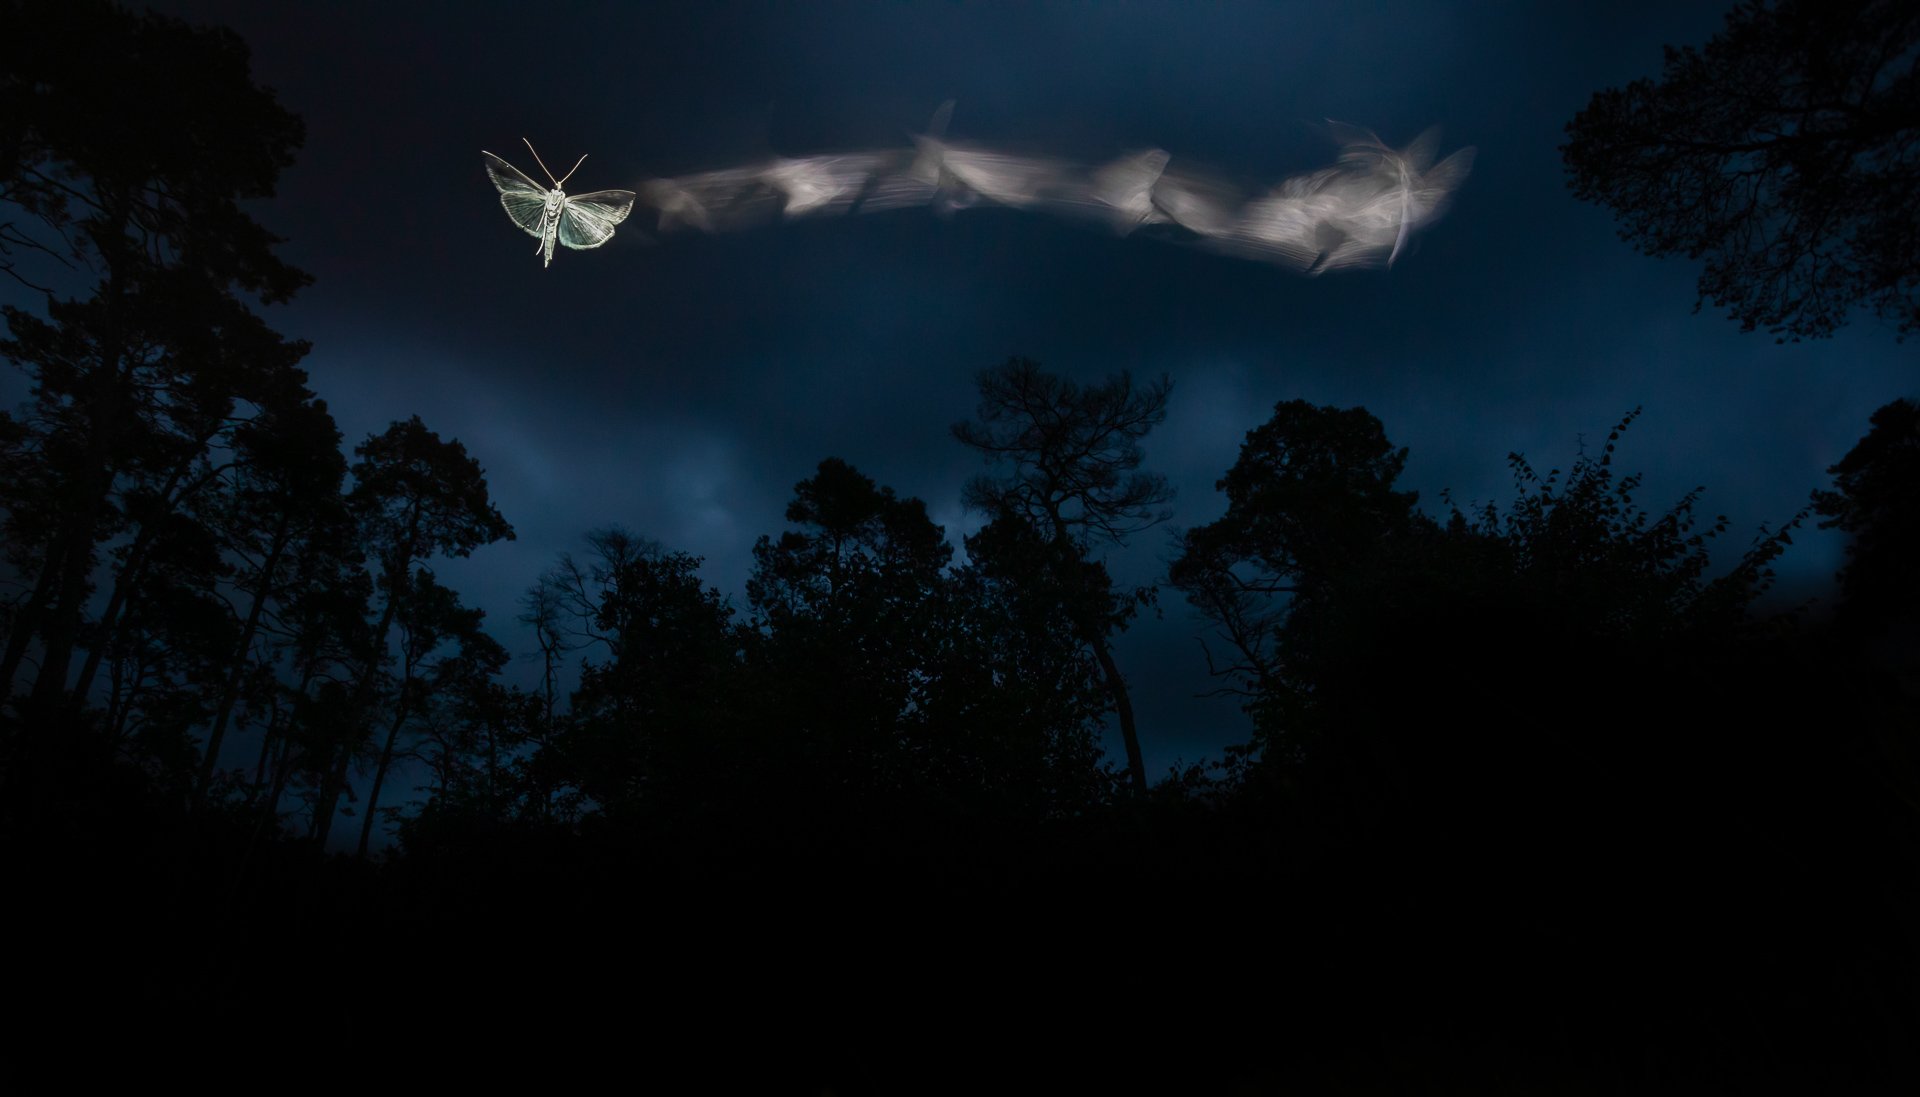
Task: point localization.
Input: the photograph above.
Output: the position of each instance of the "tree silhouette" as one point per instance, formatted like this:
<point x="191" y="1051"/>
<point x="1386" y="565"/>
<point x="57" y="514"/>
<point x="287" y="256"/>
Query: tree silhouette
<point x="1310" y="506"/>
<point x="1074" y="473"/>
<point x="191" y="467"/>
<point x="147" y="169"/>
<point x="429" y="617"/>
<point x="847" y="608"/>
<point x="476" y="739"/>
<point x="139" y="177"/>
<point x="324" y="634"/>
<point x="134" y="432"/>
<point x="1014" y="681"/>
<point x="1786" y="154"/>
<point x="1876" y="501"/>
<point x="654" y="725"/>
<point x="170" y="651"/>
<point x="1318" y="559"/>
<point x="414" y="497"/>
<point x="284" y="507"/>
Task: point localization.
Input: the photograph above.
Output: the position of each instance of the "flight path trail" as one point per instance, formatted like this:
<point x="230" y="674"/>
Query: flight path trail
<point x="1359" y="212"/>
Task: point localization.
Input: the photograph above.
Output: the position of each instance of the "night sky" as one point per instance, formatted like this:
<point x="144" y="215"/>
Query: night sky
<point x="681" y="386"/>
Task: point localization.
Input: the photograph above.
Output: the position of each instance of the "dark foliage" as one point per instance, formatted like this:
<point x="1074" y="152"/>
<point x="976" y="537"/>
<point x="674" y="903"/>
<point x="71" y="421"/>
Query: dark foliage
<point x="1785" y="153"/>
<point x="1069" y="461"/>
<point x="1875" y="504"/>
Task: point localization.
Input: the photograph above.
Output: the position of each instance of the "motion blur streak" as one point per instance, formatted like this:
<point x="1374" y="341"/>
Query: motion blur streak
<point x="1357" y="213"/>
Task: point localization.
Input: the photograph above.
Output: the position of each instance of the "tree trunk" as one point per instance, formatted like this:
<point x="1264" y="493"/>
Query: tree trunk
<point x="116" y="683"/>
<point x="399" y="571"/>
<point x="274" y="737"/>
<point x="282" y="766"/>
<point x="493" y="773"/>
<point x="123" y="704"/>
<point x="1116" y="685"/>
<point x="75" y="555"/>
<point x="1123" y="708"/>
<point x="331" y="785"/>
<point x="267" y="740"/>
<point x="231" y="691"/>
<point x="136" y="565"/>
<point x="380" y="773"/>
<point x="73" y="545"/>
<point x="130" y="573"/>
<point x="26" y="625"/>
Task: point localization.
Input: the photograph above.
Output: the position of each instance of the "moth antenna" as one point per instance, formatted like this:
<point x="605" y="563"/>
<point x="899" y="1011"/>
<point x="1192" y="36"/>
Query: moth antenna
<point x="542" y="163"/>
<point x="570" y="171"/>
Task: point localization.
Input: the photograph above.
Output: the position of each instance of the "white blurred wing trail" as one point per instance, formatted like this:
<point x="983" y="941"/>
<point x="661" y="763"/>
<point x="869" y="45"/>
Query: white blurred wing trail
<point x="587" y="220"/>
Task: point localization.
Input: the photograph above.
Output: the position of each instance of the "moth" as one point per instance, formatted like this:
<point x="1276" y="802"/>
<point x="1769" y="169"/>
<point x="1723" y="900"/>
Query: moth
<point x="580" y="221"/>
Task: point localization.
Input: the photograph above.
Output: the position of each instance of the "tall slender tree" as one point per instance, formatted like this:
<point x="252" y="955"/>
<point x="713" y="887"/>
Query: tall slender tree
<point x="322" y="631"/>
<point x="414" y="497"/>
<point x="1071" y="460"/>
<point x="430" y="618"/>
<point x="285" y="505"/>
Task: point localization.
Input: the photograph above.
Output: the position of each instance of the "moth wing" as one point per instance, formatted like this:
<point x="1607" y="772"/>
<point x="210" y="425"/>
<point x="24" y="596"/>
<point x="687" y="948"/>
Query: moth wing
<point x="1448" y="174"/>
<point x="524" y="199"/>
<point x="587" y="220"/>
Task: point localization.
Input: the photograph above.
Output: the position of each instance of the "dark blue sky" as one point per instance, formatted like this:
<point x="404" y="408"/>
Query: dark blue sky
<point x="681" y="388"/>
